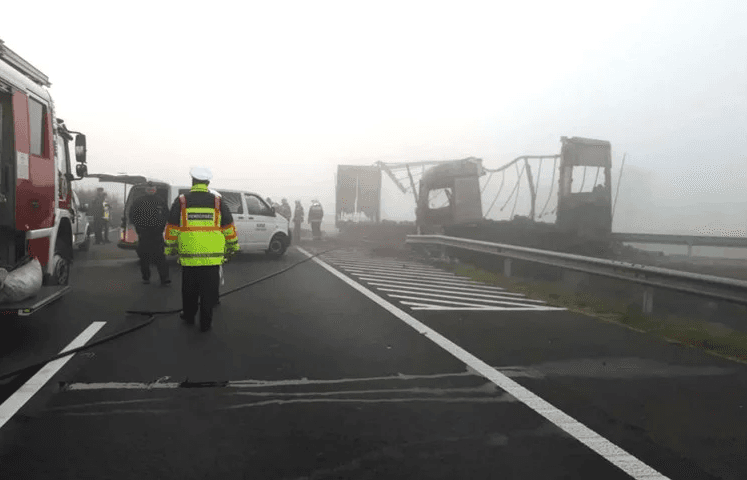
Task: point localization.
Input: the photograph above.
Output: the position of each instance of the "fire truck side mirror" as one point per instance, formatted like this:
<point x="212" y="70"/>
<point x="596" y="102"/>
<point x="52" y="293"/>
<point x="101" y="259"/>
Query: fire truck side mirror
<point x="81" y="170"/>
<point x="80" y="148"/>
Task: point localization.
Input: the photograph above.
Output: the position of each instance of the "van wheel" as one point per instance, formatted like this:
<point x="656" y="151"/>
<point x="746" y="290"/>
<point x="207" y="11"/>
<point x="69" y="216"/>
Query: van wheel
<point x="278" y="245"/>
<point x="87" y="242"/>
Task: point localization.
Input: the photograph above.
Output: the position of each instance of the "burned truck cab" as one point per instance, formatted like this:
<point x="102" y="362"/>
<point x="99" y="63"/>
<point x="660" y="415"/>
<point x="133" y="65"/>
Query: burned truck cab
<point x="585" y="209"/>
<point x="449" y="194"/>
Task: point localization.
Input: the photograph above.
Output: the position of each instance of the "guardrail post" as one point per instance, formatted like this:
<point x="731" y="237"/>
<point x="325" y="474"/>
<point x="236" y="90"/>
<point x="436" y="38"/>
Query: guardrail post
<point x="507" y="267"/>
<point x="689" y="249"/>
<point x="648" y="300"/>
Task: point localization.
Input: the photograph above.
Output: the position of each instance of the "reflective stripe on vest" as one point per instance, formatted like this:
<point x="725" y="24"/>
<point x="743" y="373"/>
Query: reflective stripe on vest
<point x="201" y="240"/>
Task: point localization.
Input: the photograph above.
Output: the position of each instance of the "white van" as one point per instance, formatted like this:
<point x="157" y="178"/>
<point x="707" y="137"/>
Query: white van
<point x="82" y="227"/>
<point x="258" y="227"/>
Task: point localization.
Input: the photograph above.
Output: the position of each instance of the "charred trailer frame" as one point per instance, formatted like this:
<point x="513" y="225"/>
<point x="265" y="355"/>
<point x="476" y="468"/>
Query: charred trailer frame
<point x="357" y="195"/>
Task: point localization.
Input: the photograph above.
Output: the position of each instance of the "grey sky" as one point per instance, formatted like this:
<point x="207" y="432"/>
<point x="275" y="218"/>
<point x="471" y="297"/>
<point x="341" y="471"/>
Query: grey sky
<point x="272" y="96"/>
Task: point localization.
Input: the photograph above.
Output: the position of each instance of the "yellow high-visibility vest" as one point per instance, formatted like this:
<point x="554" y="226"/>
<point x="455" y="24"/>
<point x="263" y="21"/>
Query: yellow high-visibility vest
<point x="199" y="238"/>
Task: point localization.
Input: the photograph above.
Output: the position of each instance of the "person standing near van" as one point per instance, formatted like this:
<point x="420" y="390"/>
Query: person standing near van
<point x="297" y="221"/>
<point x="105" y="220"/>
<point x="200" y="230"/>
<point x="285" y="209"/>
<point x="316" y="213"/>
<point x="97" y="211"/>
<point x="148" y="213"/>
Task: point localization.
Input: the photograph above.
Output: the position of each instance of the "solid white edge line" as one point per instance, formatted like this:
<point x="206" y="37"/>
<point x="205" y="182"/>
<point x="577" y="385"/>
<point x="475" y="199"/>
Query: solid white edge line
<point x="19" y="398"/>
<point x="603" y="447"/>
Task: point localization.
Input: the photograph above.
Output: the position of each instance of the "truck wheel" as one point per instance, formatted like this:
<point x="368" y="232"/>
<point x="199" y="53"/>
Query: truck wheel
<point x="60" y="270"/>
<point x="87" y="242"/>
<point x="278" y="245"/>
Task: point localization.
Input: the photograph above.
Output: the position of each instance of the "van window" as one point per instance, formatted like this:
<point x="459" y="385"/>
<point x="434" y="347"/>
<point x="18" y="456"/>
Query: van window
<point x="232" y="201"/>
<point x="256" y="206"/>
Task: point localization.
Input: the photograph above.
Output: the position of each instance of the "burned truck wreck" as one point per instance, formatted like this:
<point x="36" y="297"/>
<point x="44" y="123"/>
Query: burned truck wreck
<point x="450" y="201"/>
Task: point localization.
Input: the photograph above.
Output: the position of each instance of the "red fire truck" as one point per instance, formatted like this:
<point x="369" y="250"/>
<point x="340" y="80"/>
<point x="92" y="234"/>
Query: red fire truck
<point x="36" y="207"/>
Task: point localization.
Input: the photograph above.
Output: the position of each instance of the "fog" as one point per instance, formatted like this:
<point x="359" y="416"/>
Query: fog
<point x="272" y="97"/>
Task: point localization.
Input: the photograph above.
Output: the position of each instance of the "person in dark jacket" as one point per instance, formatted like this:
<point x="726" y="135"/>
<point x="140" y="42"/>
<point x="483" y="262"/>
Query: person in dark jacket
<point x="149" y="214"/>
<point x="297" y="221"/>
<point x="316" y="213"/>
<point x="285" y="209"/>
<point x="106" y="220"/>
<point x="97" y="211"/>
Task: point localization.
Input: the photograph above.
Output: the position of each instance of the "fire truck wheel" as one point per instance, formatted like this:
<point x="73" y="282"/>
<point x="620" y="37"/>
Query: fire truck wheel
<point x="60" y="270"/>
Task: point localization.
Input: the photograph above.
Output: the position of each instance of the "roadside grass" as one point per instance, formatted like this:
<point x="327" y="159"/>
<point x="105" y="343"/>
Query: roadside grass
<point x="714" y="338"/>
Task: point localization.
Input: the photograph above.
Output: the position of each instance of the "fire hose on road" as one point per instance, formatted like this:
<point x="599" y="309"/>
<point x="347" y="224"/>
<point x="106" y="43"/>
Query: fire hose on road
<point x="151" y="318"/>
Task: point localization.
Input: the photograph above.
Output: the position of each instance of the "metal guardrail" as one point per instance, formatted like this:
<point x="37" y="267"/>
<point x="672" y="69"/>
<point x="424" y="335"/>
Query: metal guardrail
<point x="689" y="240"/>
<point x="709" y="286"/>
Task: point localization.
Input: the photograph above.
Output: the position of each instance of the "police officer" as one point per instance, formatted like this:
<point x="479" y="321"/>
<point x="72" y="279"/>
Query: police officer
<point x="200" y="230"/>
<point x="148" y="213"/>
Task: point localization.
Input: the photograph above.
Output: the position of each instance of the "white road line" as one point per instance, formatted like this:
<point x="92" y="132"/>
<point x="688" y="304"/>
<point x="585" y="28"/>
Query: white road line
<point x="510" y="305"/>
<point x="252" y="383"/>
<point x="500" y="301"/>
<point x="377" y="261"/>
<point x="606" y="449"/>
<point x="469" y="288"/>
<point x="376" y="276"/>
<point x="380" y="268"/>
<point x="391" y="266"/>
<point x="465" y="295"/>
<point x="403" y="273"/>
<point x="484" y="308"/>
<point x="19" y="398"/>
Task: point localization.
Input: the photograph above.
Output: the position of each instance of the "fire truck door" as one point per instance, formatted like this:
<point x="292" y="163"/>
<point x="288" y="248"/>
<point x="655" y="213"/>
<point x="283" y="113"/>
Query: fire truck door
<point x="7" y="163"/>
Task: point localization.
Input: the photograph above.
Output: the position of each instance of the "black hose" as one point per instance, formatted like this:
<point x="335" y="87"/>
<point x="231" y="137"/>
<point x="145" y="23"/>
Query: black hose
<point x="78" y="349"/>
<point x="152" y="315"/>
<point x="266" y="277"/>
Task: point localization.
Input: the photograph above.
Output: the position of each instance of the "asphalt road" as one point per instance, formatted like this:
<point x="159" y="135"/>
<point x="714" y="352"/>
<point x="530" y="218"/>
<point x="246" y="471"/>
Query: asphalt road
<point x="354" y="365"/>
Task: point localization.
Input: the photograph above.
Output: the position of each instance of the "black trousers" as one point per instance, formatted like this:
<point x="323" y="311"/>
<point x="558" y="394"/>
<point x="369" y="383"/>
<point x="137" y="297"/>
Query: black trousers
<point x="105" y="230"/>
<point x="98" y="229"/>
<point x="200" y="289"/>
<point x="150" y="250"/>
<point x="297" y="232"/>
<point x="316" y="229"/>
